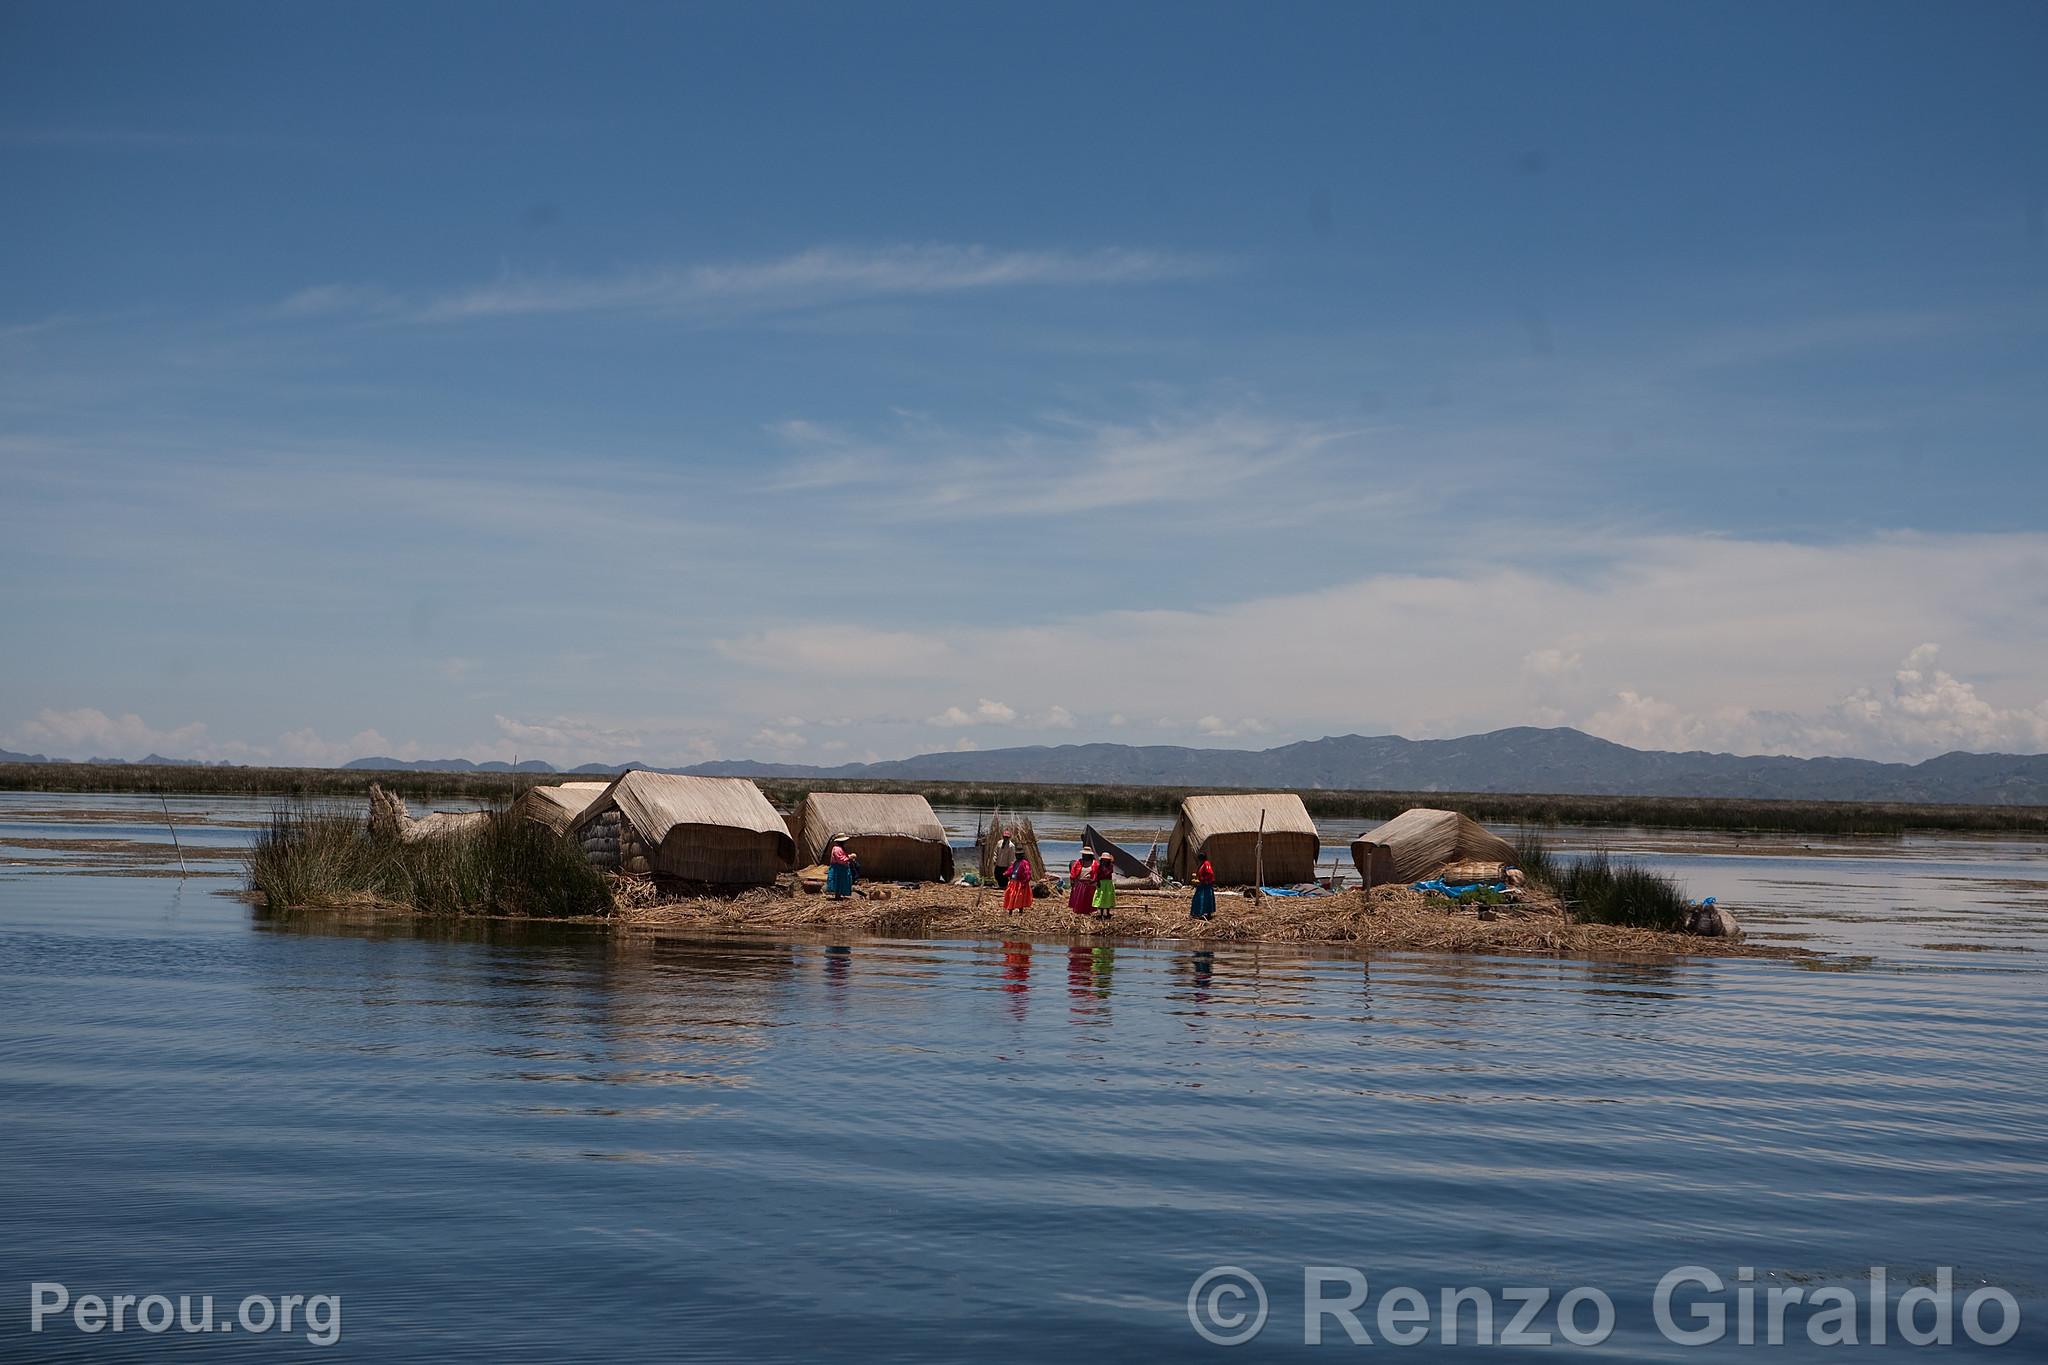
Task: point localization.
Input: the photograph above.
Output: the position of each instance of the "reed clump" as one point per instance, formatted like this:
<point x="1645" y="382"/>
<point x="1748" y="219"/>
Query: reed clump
<point x="1599" y="889"/>
<point x="309" y="858"/>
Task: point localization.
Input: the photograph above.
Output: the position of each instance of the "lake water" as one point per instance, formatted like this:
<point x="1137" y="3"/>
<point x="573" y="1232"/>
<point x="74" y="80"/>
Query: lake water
<point x="502" y="1143"/>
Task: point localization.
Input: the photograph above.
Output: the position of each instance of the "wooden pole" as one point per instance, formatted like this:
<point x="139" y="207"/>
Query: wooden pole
<point x="995" y="816"/>
<point x="1259" y="859"/>
<point x="174" y="834"/>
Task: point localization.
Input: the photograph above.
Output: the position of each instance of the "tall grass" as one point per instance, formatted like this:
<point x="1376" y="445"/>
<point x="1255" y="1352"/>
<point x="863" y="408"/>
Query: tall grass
<point x="308" y="858"/>
<point x="1598" y="889"/>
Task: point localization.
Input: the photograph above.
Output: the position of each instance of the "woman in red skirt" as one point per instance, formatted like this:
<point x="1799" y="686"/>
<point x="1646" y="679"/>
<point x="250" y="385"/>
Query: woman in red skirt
<point x="1081" y="898"/>
<point x="1017" y="895"/>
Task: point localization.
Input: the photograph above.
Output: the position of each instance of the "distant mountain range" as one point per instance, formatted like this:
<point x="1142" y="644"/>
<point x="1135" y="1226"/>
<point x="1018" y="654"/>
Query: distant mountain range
<point x="1524" y="759"/>
<point x="149" y="760"/>
<point x="463" y="765"/>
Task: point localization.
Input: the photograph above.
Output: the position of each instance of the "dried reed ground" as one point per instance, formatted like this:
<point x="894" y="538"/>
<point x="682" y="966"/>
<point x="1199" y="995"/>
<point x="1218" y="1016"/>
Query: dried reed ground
<point x="1391" y="919"/>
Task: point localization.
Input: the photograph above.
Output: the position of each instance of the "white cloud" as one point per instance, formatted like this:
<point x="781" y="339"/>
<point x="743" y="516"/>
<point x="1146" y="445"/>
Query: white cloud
<point x="571" y="740"/>
<point x="1669" y="641"/>
<point x="88" y="732"/>
<point x="1552" y="662"/>
<point x="1924" y="711"/>
<point x="1216" y="727"/>
<point x="781" y="743"/>
<point x="820" y="275"/>
<point x="1081" y="466"/>
<point x="825" y="649"/>
<point x="304" y="748"/>
<point x="985" y="712"/>
<point x="565" y="734"/>
<point x="332" y="300"/>
<point x="1200" y="459"/>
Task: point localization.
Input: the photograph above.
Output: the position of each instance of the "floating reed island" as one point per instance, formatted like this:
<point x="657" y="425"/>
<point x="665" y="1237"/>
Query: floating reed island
<point x="654" y="849"/>
<point x="1385" y="919"/>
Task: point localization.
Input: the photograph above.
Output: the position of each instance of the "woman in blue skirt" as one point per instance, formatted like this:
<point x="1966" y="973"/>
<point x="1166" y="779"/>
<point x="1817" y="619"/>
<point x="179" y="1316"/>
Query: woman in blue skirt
<point x="839" y="873"/>
<point x="1205" y="891"/>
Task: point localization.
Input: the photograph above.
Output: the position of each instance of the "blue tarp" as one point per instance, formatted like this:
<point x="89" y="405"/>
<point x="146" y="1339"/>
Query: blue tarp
<point x="1443" y="888"/>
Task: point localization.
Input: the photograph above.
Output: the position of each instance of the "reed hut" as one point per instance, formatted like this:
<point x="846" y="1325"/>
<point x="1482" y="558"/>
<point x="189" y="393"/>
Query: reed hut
<point x="1419" y="843"/>
<point x="1227" y="830"/>
<point x="719" y="830"/>
<point x="1018" y="827"/>
<point x="895" y="835"/>
<point x="558" y="806"/>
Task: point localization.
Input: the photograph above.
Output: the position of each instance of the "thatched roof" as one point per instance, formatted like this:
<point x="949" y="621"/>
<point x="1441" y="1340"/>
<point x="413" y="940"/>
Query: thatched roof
<point x="655" y="803"/>
<point x="896" y="814"/>
<point x="1227" y="829"/>
<point x="1208" y="816"/>
<point x="896" y="834"/>
<point x="559" y="805"/>
<point x="1418" y="843"/>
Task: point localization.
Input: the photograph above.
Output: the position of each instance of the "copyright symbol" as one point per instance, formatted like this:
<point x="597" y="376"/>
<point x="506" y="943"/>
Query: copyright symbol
<point x="1216" y="1305"/>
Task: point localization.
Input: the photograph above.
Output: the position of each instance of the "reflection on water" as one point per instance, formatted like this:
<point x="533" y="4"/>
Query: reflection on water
<point x="523" y="1141"/>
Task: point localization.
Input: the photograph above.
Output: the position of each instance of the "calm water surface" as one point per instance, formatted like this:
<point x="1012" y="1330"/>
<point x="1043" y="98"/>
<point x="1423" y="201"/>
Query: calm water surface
<point x="505" y="1144"/>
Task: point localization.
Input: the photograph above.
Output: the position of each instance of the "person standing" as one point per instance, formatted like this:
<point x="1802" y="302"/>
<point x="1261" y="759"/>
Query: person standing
<point x="1105" y="885"/>
<point x="1017" y="897"/>
<point x="1005" y="859"/>
<point x="1204" y="904"/>
<point x="1081" y="896"/>
<point x="839" y="872"/>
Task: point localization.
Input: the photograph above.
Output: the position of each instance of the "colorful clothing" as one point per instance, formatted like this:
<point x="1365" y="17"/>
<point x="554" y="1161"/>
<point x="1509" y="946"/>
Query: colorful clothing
<point x="839" y="875"/>
<point x="1205" y="892"/>
<point x="1105" y="884"/>
<point x="1017" y="896"/>
<point x="1081" y="897"/>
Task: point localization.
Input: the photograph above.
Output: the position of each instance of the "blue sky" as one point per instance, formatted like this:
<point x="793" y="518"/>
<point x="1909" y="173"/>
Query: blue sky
<point x="827" y="382"/>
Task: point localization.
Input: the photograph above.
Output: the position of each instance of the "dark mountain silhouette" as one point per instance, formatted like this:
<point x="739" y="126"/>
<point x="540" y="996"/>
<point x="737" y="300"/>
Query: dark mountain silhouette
<point x="1523" y="759"/>
<point x="448" y="765"/>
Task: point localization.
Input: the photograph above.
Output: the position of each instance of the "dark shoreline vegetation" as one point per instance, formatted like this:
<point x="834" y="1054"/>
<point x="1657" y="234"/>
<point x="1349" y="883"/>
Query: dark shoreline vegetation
<point x="1599" y="889"/>
<point x="1655" y="812"/>
<point x="309" y="858"/>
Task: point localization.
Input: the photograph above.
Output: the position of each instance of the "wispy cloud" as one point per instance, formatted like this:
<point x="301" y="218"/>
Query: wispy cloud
<point x="1079" y="465"/>
<point x="819" y="275"/>
<point x="331" y="300"/>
